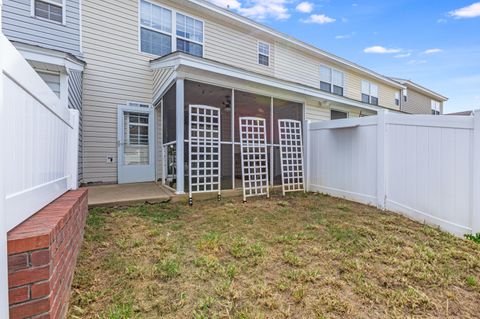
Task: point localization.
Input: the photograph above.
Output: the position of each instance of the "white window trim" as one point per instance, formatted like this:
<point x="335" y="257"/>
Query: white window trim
<point x="173" y="34"/>
<point x="331" y="79"/>
<point x="138" y="104"/>
<point x="436" y="106"/>
<point x="63" y="5"/>
<point x="259" y="53"/>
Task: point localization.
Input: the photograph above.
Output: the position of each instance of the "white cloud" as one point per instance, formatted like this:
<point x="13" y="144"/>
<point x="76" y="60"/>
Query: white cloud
<point x="442" y="20"/>
<point x="471" y="11"/>
<point x="258" y="9"/>
<point x="432" y="51"/>
<point x="264" y="9"/>
<point x="381" y="50"/>
<point x="345" y="36"/>
<point x="415" y="62"/>
<point x="229" y="4"/>
<point x="319" y="19"/>
<point x="305" y="7"/>
<point x="404" y="55"/>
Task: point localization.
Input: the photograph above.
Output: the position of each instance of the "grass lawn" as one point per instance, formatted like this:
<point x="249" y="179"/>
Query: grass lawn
<point x="303" y="256"/>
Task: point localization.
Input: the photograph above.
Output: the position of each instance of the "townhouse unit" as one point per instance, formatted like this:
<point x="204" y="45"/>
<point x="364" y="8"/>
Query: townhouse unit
<point x="48" y="35"/>
<point x="154" y="71"/>
<point x="416" y="99"/>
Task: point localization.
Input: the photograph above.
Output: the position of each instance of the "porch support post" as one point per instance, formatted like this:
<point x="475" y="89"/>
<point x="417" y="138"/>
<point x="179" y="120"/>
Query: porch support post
<point x="180" y="141"/>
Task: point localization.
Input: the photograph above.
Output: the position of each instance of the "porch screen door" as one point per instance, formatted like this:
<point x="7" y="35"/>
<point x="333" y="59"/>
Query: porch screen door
<point x="204" y="150"/>
<point x="291" y="155"/>
<point x="136" y="156"/>
<point x="253" y="145"/>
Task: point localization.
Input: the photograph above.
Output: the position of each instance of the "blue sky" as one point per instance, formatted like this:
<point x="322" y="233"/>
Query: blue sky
<point x="435" y="43"/>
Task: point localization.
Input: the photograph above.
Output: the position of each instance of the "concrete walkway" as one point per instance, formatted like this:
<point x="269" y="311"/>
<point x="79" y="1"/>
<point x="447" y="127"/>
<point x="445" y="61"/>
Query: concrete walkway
<point x="128" y="194"/>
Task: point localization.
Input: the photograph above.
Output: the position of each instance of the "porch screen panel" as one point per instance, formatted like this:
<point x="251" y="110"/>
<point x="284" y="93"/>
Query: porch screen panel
<point x="291" y="155"/>
<point x="197" y="93"/>
<point x="169" y="116"/>
<point x="254" y="159"/>
<point x="204" y="149"/>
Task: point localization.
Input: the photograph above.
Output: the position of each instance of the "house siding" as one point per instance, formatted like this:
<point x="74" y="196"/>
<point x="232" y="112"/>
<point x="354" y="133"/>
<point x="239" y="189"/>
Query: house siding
<point x="417" y="103"/>
<point x="75" y="83"/>
<point x="19" y="25"/>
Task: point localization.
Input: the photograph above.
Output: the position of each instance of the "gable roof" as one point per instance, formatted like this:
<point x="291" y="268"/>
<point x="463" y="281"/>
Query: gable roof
<point x="418" y="87"/>
<point x="291" y="40"/>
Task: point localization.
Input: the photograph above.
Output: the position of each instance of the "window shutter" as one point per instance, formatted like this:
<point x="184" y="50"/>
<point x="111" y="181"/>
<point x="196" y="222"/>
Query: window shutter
<point x="325" y="74"/>
<point x="337" y="78"/>
<point x="397" y="96"/>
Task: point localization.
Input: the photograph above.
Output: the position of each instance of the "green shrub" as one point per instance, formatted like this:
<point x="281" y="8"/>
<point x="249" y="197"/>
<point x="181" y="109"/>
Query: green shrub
<point x="475" y="238"/>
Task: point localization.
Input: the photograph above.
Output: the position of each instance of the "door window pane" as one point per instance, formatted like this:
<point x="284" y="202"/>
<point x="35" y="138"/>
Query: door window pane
<point x="136" y="146"/>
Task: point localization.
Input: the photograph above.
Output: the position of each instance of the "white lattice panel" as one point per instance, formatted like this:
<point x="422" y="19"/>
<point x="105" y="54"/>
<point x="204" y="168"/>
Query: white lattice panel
<point x="291" y="155"/>
<point x="204" y="149"/>
<point x="253" y="147"/>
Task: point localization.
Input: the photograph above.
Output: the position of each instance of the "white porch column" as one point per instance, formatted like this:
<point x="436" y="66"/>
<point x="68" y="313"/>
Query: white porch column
<point x="180" y="88"/>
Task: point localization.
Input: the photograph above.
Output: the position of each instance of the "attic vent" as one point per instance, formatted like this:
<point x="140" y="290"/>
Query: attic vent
<point x="138" y="104"/>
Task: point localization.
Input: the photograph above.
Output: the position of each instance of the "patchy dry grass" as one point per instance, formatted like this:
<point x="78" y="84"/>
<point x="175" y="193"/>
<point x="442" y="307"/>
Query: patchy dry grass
<point x="303" y="256"/>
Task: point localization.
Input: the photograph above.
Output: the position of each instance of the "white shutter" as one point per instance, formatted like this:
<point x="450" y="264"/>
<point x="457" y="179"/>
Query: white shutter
<point x="397" y="96"/>
<point x="337" y="78"/>
<point x="405" y="92"/>
<point x="374" y="90"/>
<point x="325" y="74"/>
<point x="365" y="88"/>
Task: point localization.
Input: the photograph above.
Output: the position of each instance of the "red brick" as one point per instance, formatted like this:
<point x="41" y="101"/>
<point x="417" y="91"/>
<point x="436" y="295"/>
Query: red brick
<point x="17" y="295"/>
<point x="40" y="257"/>
<point x="30" y="308"/>
<point x="17" y="262"/>
<point x="40" y="289"/>
<point x="27" y="276"/>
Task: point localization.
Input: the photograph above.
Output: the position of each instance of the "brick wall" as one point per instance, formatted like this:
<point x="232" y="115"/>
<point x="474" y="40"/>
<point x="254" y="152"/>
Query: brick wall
<point x="42" y="253"/>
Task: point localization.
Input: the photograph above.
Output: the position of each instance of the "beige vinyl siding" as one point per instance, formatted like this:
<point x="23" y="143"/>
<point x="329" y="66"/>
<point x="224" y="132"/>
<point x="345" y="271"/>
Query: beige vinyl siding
<point x="417" y="103"/>
<point x="159" y="78"/>
<point x="115" y="73"/>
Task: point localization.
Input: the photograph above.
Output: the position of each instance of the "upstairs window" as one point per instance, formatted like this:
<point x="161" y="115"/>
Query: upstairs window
<point x="436" y="108"/>
<point x="189" y="35"/>
<point x="397" y="99"/>
<point x="155" y="29"/>
<point x="263" y="53"/>
<point x="331" y="80"/>
<point x="49" y="9"/>
<point x="405" y="95"/>
<point x="369" y="93"/>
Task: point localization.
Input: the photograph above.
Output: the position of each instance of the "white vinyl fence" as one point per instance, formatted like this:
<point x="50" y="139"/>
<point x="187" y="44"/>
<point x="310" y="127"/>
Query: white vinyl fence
<point x="422" y="166"/>
<point x="38" y="148"/>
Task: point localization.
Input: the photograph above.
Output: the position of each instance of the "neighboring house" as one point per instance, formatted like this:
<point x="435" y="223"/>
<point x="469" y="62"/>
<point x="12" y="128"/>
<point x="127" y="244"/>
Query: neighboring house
<point x="48" y="35"/>
<point x="416" y="99"/>
<point x="464" y="113"/>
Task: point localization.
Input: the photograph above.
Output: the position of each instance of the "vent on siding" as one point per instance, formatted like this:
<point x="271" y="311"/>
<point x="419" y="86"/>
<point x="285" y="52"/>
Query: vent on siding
<point x="138" y="104"/>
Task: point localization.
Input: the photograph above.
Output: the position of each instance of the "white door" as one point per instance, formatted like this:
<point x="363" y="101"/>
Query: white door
<point x="136" y="155"/>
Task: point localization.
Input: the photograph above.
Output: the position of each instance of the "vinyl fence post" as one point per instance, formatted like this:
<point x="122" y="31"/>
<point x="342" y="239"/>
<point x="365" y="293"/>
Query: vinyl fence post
<point x="4" y="310"/>
<point x="381" y="160"/>
<point x="73" y="138"/>
<point x="180" y="137"/>
<point x="476" y="174"/>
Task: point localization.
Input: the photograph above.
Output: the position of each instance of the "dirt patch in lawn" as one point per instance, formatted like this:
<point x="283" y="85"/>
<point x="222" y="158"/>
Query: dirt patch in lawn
<point x="302" y="256"/>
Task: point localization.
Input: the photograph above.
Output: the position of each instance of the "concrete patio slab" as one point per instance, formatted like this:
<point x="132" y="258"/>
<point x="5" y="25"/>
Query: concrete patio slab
<point x="128" y="194"/>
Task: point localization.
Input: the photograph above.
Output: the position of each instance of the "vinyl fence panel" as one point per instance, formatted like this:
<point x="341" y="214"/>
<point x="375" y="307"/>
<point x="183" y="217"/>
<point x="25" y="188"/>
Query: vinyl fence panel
<point x="422" y="166"/>
<point x="39" y="148"/>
